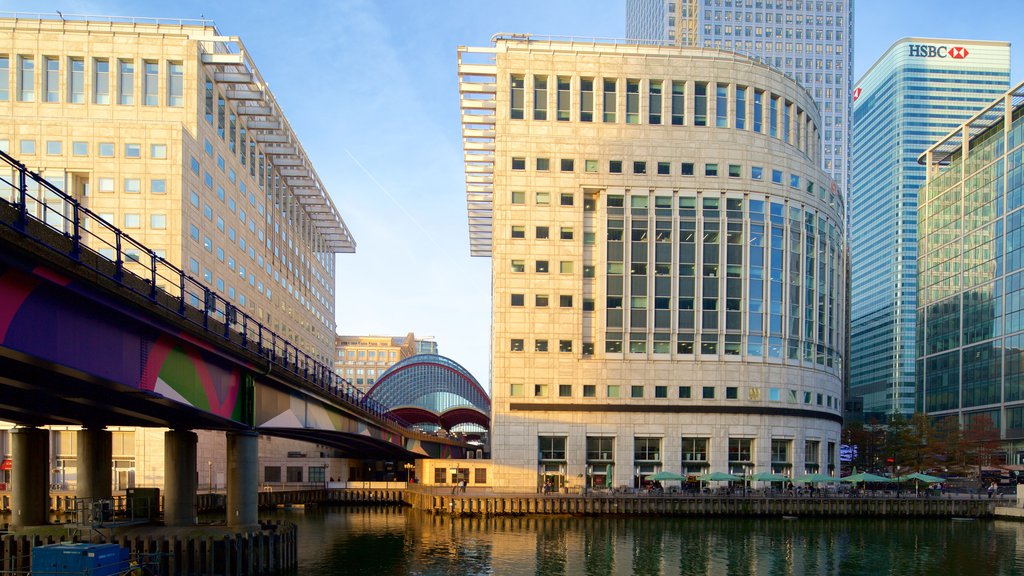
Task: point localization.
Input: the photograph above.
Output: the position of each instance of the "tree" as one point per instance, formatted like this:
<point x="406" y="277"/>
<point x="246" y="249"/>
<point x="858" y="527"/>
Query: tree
<point x="947" y="444"/>
<point x="981" y="439"/>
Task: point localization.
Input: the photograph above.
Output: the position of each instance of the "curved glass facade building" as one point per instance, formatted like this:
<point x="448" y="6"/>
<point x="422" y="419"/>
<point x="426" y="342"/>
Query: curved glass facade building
<point x="918" y="91"/>
<point x="667" y="262"/>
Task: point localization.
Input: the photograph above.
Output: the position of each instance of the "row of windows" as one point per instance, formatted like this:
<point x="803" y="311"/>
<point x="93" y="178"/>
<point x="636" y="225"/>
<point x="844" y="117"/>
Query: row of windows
<point x="121" y="78"/>
<point x="663" y="168"/>
<point x="787" y="395"/>
<point x="80" y="149"/>
<point x="718" y="104"/>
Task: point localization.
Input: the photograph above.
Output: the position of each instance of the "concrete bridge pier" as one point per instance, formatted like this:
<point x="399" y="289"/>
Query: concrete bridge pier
<point x="180" y="481"/>
<point x="95" y="452"/>
<point x="30" y="471"/>
<point x="243" y="479"/>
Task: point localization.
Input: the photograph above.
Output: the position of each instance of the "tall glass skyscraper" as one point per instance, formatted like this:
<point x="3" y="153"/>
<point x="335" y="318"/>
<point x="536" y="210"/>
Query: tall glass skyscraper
<point x="810" y="41"/>
<point x="970" y="314"/>
<point x="917" y="92"/>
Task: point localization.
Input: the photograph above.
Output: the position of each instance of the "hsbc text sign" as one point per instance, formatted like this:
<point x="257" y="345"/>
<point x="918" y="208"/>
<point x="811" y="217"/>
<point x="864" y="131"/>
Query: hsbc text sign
<point x="927" y="51"/>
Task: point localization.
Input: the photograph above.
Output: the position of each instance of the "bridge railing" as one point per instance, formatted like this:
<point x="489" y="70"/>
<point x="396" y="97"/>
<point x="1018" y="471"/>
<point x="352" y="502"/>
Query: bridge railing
<point x="116" y="255"/>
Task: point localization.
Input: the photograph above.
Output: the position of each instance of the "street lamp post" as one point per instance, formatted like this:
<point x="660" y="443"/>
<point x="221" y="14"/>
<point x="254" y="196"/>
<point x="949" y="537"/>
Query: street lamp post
<point x="209" y="464"/>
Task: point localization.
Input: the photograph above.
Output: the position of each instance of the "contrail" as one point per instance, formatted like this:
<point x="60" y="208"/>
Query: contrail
<point x="395" y="202"/>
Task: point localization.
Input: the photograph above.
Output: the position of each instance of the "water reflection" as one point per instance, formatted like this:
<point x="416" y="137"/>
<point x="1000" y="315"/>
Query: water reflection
<point x="398" y="541"/>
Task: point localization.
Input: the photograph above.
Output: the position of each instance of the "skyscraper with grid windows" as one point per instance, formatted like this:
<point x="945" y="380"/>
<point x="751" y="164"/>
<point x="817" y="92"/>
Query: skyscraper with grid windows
<point x="918" y="91"/>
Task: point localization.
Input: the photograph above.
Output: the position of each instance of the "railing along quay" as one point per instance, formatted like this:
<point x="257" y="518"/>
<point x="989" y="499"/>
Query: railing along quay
<point x="906" y="506"/>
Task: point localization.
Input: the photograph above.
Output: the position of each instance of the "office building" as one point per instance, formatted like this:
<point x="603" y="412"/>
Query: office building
<point x="168" y="131"/>
<point x="667" y="262"/>
<point x="970" y="313"/>
<point x="810" y="40"/>
<point x="362" y="359"/>
<point x="918" y="91"/>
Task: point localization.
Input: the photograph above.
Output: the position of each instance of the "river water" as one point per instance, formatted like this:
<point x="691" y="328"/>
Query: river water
<point x="398" y="541"/>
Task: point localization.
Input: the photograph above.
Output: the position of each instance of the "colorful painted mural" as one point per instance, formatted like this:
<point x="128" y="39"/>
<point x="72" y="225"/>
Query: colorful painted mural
<point x="39" y="317"/>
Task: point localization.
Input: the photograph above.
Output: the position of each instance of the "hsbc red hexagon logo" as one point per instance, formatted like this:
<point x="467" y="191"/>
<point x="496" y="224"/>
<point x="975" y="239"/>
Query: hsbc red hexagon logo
<point x="958" y="52"/>
<point x="856" y="94"/>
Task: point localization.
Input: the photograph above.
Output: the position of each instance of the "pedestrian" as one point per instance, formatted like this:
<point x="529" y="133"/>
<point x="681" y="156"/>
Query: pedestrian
<point x="463" y="485"/>
<point x="992" y="489"/>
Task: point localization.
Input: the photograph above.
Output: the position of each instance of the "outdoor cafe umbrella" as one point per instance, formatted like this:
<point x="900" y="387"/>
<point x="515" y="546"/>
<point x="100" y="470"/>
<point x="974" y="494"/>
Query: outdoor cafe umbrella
<point x="664" y="476"/>
<point x="768" y="477"/>
<point x="719" y="477"/>
<point x="865" y="477"/>
<point x="918" y="477"/>
<point x="816" y="478"/>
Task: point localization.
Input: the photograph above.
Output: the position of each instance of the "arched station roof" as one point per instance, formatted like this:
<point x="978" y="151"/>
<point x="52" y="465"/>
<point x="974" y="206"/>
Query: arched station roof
<point x="435" y="389"/>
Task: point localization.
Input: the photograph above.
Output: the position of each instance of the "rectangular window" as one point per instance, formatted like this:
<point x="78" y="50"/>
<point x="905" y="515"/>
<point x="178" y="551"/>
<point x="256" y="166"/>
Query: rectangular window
<point x="565" y="301"/>
<point x="639" y="167"/>
<point x="773" y="117"/>
<point x="125" y="82"/>
<point x="565" y="345"/>
<point x="517" y="299"/>
<point x="664" y="168"/>
<point x="26" y="79"/>
<point x="5" y="75"/>
<point x="565" y="267"/>
<point x="518" y="197"/>
<point x="565" y="390"/>
<point x="700" y="104"/>
<point x="132" y="221"/>
<point x="100" y="81"/>
<point x="175" y="84"/>
<point x="542" y="232"/>
<point x="151" y="83"/>
<point x="708" y="392"/>
<point x="541" y="266"/>
<point x="735" y="170"/>
<point x="722" y="105"/>
<point x="543" y="198"/>
<point x="632" y="101"/>
<point x="541" y="301"/>
<point x="567" y="164"/>
<point x="678" y="103"/>
<point x="610" y="100"/>
<point x="158" y="151"/>
<point x="158" y="221"/>
<point x="615" y="166"/>
<point x="51" y="84"/>
<point x="132" y="150"/>
<point x="756" y="173"/>
<point x="590" y="166"/>
<point x="586" y="99"/>
<point x="132" y="185"/>
<point x="758" y="110"/>
<point x="516" y="345"/>
<point x="27" y="146"/>
<point x="519" y="231"/>
<point x="563" y="101"/>
<point x="654" y="102"/>
<point x="516" y="98"/>
<point x="565" y="233"/>
<point x="54" y="147"/>
<point x="518" y="266"/>
<point x="76" y="81"/>
<point x="565" y="199"/>
<point x="79" y="148"/>
<point x="540" y="97"/>
<point x="711" y="169"/>
<point x="519" y="163"/>
<point x="741" y="107"/>
<point x="686" y="169"/>
<point x="543" y="164"/>
<point x="158" y="186"/>
<point x="541" y="345"/>
<point x="105" y="184"/>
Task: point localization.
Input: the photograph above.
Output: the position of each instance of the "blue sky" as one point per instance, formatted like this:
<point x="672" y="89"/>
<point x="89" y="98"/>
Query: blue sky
<point x="371" y="90"/>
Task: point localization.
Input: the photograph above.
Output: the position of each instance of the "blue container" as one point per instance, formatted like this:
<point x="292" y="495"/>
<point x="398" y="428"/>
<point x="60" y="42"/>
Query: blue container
<point x="84" y="559"/>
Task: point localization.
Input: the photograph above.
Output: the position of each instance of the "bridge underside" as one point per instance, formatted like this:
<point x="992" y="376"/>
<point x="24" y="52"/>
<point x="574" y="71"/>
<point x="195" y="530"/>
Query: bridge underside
<point x="34" y="392"/>
<point x="352" y="445"/>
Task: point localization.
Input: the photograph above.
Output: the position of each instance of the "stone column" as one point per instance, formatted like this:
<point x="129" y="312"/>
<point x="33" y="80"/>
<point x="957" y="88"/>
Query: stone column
<point x="180" y="477"/>
<point x="30" y="471"/>
<point x="243" y="479"/>
<point x="95" y="453"/>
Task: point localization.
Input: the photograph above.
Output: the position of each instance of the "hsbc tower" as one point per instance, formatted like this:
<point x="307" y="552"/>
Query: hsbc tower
<point x="918" y="91"/>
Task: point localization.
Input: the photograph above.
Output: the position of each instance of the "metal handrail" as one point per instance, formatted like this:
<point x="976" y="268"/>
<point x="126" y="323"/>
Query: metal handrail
<point x="47" y="204"/>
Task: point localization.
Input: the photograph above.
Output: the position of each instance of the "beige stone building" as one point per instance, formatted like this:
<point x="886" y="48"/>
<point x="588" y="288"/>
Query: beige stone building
<point x="362" y="359"/>
<point x="167" y="130"/>
<point x="667" y="273"/>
